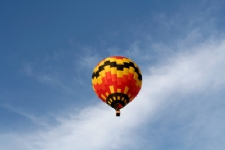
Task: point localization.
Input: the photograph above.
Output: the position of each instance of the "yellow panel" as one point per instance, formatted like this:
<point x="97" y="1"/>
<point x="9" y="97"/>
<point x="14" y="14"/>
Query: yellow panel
<point x="112" y="59"/>
<point x="119" y="73"/>
<point x="131" y="70"/>
<point x="118" y="97"/>
<point x="135" y="76"/>
<point x="92" y="81"/>
<point x="109" y="103"/>
<point x="126" y="60"/>
<point x="113" y="70"/>
<point x="118" y="90"/>
<point x="126" y="90"/>
<point x="103" y="96"/>
<point x="110" y="100"/>
<point x="122" y="98"/>
<point x="95" y="80"/>
<point x="108" y="59"/>
<point x="99" y="80"/>
<point x="95" y="69"/>
<point x="102" y="74"/>
<point x="114" y="98"/>
<point x="107" y="68"/>
<point x="138" y="83"/>
<point x="119" y="61"/>
<point x="125" y="71"/>
<point x="111" y="89"/>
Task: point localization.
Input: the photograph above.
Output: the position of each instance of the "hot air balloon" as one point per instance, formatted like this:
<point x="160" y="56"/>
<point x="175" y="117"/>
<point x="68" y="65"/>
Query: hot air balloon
<point x="117" y="80"/>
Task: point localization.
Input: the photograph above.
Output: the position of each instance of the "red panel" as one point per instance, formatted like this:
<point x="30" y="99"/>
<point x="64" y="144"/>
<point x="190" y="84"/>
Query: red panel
<point x="118" y="57"/>
<point x="108" y="75"/>
<point x="119" y="81"/>
<point x="114" y="77"/>
<point x="125" y="78"/>
<point x="130" y="76"/>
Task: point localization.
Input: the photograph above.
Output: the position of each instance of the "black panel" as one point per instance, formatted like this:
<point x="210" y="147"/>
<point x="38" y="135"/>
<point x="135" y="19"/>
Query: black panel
<point x="115" y="102"/>
<point x="119" y="67"/>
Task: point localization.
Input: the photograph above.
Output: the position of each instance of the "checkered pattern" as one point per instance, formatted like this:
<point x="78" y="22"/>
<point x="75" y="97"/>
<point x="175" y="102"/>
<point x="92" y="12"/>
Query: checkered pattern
<point x="116" y="79"/>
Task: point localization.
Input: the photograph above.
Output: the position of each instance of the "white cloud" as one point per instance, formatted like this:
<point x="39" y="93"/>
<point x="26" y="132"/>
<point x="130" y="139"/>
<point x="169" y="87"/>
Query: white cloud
<point x="198" y="70"/>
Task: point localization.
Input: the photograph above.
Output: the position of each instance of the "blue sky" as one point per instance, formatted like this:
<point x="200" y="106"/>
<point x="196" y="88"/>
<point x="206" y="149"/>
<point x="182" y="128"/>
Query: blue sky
<point x="48" y="50"/>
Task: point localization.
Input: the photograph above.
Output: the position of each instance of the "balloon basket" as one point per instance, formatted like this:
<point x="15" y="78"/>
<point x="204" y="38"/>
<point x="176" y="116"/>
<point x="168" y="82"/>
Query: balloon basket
<point x="118" y="113"/>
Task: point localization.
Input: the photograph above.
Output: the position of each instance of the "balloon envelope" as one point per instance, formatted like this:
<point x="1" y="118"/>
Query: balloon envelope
<point x="117" y="80"/>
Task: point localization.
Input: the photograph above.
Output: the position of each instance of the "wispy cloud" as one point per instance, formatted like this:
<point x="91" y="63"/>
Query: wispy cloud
<point x="52" y="69"/>
<point x="172" y="83"/>
<point x="87" y="59"/>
